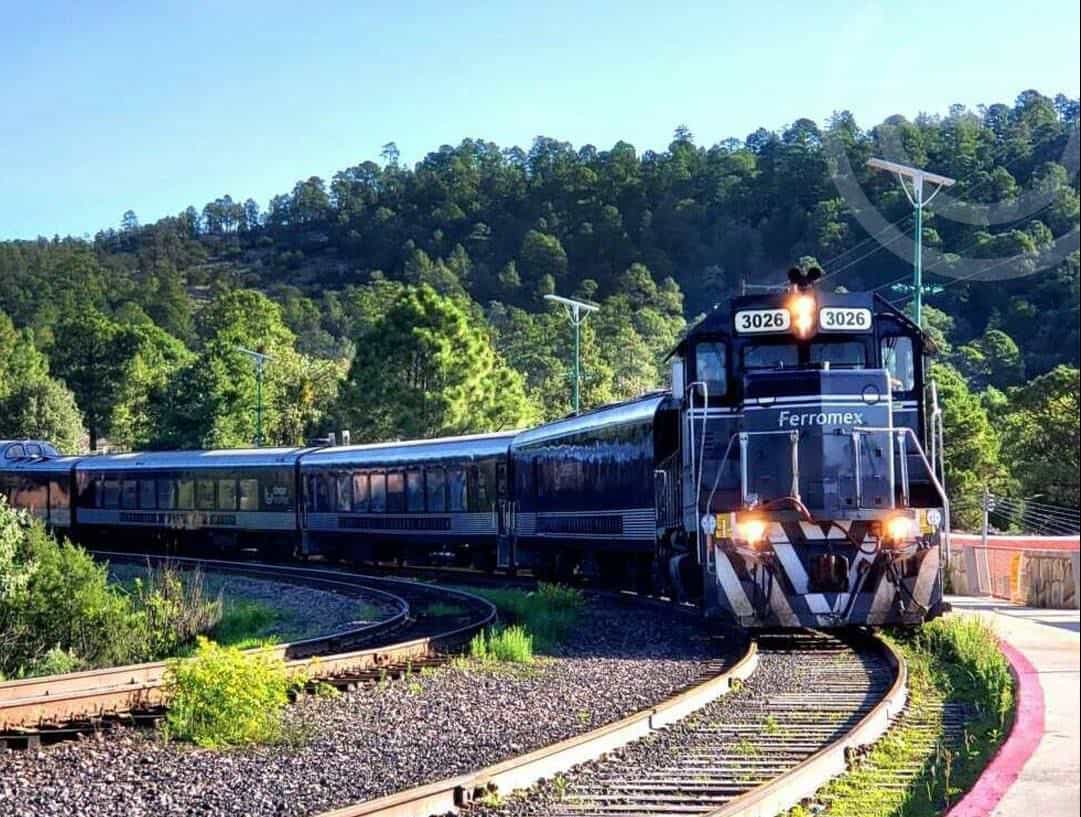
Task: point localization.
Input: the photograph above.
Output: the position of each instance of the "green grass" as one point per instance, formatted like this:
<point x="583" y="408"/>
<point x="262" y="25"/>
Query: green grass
<point x="548" y="614"/>
<point x="440" y="609"/>
<point x="512" y="645"/>
<point x="953" y="662"/>
<point x="246" y="623"/>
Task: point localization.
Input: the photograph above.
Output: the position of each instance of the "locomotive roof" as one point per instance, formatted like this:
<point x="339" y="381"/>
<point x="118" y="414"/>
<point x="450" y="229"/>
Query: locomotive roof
<point x="465" y="446"/>
<point x="719" y="321"/>
<point x="637" y="410"/>
<point x="221" y="458"/>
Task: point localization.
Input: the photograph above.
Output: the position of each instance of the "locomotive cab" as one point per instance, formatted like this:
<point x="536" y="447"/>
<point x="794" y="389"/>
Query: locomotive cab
<point x="806" y="484"/>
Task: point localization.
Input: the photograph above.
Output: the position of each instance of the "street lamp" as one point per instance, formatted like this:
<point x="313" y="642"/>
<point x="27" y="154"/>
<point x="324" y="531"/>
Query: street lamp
<point x="260" y="361"/>
<point x="917" y="177"/>
<point x="577" y="311"/>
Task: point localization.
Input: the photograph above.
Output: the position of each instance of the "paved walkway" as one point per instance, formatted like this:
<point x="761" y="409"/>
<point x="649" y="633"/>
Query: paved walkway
<point x="1038" y="771"/>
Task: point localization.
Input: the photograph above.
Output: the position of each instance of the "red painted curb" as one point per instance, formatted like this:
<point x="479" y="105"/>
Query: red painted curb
<point x="1025" y="735"/>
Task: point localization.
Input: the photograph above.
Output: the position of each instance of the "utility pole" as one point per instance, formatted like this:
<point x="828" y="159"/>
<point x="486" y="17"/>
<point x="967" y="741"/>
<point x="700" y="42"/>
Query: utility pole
<point x="577" y="311"/>
<point x="260" y="361"/>
<point x="915" y="197"/>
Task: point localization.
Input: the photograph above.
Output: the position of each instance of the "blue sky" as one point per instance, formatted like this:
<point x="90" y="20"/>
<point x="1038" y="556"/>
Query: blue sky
<point x="154" y="106"/>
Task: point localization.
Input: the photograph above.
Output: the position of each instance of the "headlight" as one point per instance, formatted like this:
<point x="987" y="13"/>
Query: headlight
<point x="802" y="309"/>
<point x="899" y="529"/>
<point x="751" y="530"/>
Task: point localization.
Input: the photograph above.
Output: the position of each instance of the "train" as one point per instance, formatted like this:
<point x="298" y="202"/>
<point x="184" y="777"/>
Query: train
<point x="783" y="480"/>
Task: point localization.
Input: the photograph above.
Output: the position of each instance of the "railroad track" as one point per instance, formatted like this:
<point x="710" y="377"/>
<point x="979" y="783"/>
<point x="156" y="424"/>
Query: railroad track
<point x="424" y="622"/>
<point x="796" y="705"/>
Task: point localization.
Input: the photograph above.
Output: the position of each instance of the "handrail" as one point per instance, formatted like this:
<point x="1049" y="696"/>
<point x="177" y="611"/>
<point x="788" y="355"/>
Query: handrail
<point x="899" y="446"/>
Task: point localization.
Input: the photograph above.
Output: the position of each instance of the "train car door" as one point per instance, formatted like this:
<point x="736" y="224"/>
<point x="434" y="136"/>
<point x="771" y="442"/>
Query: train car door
<point x="506" y="549"/>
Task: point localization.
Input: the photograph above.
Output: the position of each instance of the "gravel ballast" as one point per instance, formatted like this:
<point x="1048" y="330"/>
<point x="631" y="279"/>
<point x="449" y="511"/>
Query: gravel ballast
<point x="379" y="739"/>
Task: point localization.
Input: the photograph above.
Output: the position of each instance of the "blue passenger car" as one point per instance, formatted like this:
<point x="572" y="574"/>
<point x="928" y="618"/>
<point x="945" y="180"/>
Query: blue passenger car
<point x="442" y="499"/>
<point x="227" y="499"/>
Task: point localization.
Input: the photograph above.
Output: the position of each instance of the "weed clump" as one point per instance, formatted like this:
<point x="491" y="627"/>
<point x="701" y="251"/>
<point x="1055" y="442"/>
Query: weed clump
<point x="548" y="614"/>
<point x="222" y="696"/>
<point x="512" y="645"/>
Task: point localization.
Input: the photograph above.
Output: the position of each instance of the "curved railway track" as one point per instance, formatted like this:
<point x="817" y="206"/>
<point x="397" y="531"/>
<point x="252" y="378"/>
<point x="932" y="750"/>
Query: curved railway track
<point x="424" y="620"/>
<point x="798" y="705"/>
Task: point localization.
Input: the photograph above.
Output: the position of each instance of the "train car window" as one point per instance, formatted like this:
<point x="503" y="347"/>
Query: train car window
<point x="378" y="493"/>
<point x="360" y="493"/>
<point x="458" y="489"/>
<point x="395" y="492"/>
<point x="324" y="489"/>
<point x="414" y="491"/>
<point x="34" y="450"/>
<point x="31" y="496"/>
<point x="899" y="361"/>
<point x="770" y="356"/>
<point x="248" y="491"/>
<point x="148" y="494"/>
<point x="204" y="494"/>
<point x="86" y="490"/>
<point x="840" y="354"/>
<point x="185" y="494"/>
<point x="226" y="494"/>
<point x="14" y="452"/>
<point x="344" y="493"/>
<point x="711" y="367"/>
<point x="278" y="488"/>
<point x="59" y="497"/>
<point x="166" y="494"/>
<point x="129" y="494"/>
<point x="482" y="496"/>
<point x="436" y="484"/>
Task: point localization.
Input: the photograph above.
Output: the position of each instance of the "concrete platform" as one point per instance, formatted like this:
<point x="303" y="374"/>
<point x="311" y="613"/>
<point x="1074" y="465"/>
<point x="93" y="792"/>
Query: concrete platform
<point x="1038" y="769"/>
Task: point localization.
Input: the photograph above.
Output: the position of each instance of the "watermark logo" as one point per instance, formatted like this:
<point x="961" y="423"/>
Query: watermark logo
<point x="959" y="265"/>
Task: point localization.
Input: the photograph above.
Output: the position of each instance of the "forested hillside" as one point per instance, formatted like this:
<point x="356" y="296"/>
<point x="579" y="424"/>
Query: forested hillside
<point x="409" y="301"/>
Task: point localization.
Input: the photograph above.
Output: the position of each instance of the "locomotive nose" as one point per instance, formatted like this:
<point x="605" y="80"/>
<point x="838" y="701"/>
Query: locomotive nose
<point x="820" y="436"/>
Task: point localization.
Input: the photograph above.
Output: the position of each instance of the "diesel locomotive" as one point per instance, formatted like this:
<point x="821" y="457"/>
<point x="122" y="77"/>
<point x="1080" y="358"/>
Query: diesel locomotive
<point x="783" y="479"/>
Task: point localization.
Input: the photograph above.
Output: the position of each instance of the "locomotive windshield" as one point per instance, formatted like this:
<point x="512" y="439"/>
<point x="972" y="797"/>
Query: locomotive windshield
<point x="831" y="354"/>
<point x="770" y="356"/>
<point x="839" y="354"/>
<point x="899" y="361"/>
<point x="711" y="367"/>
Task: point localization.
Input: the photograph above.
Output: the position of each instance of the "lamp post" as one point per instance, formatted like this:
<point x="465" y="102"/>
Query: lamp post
<point x="260" y="359"/>
<point x="577" y="311"/>
<point x="917" y="177"/>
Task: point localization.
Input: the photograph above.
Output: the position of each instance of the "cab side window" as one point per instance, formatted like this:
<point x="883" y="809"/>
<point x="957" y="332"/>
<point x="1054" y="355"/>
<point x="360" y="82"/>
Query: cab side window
<point x="899" y="361"/>
<point x="711" y="367"/>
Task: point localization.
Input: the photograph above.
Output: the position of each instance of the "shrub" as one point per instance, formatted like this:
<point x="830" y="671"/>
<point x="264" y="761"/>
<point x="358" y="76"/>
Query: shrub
<point x="173" y="609"/>
<point x="69" y="604"/>
<point x="58" y="611"/>
<point x="222" y="696"/>
<point x="512" y="645"/>
<point x="57" y="662"/>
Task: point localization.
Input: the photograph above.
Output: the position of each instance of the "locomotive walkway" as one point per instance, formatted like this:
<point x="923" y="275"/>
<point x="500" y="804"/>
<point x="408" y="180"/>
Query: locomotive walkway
<point x="1037" y="769"/>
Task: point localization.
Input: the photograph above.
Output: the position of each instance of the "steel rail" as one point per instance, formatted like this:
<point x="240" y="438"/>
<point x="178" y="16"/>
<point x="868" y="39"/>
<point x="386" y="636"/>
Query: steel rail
<point x="740" y="799"/>
<point x="519" y="772"/>
<point x="57" y="699"/>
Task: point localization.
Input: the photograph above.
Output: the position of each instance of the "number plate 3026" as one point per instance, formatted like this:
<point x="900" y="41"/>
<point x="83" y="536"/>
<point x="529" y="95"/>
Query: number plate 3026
<point x="751" y="321"/>
<point x="844" y="319"/>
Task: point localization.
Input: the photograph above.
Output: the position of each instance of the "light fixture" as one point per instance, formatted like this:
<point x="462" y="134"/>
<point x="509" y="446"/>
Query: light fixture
<point x="899" y="529"/>
<point x="802" y="308"/>
<point x="751" y="529"/>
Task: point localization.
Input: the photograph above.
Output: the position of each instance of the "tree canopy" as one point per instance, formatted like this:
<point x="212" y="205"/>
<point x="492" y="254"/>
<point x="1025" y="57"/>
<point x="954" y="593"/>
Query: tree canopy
<point x="143" y="322"/>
